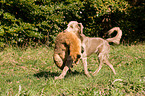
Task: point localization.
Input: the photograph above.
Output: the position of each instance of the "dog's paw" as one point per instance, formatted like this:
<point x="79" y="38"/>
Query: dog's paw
<point x="55" y="77"/>
<point x="58" y="77"/>
<point x="93" y="74"/>
<point x="88" y="75"/>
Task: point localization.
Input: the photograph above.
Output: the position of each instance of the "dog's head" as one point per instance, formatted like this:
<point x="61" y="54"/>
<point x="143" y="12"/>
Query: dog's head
<point x="75" y="27"/>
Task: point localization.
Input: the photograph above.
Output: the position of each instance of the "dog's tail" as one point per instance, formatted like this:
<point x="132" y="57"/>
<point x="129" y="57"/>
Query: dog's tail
<point x="117" y="38"/>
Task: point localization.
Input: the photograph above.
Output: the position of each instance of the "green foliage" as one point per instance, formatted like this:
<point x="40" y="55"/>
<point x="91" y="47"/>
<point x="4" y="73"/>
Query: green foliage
<point x="25" y="22"/>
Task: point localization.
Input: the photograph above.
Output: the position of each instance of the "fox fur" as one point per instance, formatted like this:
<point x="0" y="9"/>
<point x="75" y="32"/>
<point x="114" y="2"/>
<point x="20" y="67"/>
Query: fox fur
<point x="67" y="51"/>
<point x="68" y="47"/>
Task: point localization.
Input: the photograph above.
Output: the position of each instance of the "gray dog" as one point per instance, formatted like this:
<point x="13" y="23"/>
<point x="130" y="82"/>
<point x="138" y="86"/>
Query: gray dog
<point x="98" y="45"/>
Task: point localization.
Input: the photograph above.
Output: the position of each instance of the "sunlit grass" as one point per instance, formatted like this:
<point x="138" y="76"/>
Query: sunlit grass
<point x="31" y="72"/>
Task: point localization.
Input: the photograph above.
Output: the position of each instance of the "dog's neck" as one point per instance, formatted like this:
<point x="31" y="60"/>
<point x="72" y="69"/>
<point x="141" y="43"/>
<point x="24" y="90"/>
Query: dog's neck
<point x="83" y="37"/>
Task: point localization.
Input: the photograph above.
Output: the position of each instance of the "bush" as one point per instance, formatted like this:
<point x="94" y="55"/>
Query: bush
<point x="34" y="22"/>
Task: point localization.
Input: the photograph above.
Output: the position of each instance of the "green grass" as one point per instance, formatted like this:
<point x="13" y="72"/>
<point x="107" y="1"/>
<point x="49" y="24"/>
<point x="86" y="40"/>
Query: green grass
<point x="31" y="71"/>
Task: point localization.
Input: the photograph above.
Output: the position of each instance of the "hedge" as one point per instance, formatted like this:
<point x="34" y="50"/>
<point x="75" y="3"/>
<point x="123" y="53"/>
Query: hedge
<point x="34" y="22"/>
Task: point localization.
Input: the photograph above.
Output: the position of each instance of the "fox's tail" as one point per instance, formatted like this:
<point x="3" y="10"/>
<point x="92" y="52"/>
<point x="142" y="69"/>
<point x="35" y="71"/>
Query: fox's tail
<point x="117" y="38"/>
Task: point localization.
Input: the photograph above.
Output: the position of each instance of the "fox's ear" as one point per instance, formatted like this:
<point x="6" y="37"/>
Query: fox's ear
<point x="78" y="56"/>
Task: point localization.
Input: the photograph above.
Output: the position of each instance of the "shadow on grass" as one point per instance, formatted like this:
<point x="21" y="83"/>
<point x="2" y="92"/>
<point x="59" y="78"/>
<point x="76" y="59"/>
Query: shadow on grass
<point x="73" y="73"/>
<point x="48" y="74"/>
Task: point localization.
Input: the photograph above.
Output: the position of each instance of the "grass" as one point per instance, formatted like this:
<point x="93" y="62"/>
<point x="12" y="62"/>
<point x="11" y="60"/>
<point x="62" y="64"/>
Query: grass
<point x="31" y="71"/>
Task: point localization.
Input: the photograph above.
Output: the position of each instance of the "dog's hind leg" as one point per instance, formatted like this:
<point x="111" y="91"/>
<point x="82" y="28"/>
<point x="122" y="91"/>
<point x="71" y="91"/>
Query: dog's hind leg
<point x="85" y="66"/>
<point x="109" y="64"/>
<point x="68" y="64"/>
<point x="100" y="65"/>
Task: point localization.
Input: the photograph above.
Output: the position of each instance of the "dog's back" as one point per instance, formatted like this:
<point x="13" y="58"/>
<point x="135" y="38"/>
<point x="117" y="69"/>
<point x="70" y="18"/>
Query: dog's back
<point x="93" y="45"/>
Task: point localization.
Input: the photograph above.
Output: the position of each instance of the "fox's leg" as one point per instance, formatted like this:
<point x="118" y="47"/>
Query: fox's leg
<point x="68" y="64"/>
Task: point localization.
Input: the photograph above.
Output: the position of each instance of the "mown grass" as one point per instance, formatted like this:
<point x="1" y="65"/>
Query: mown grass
<point x="31" y="71"/>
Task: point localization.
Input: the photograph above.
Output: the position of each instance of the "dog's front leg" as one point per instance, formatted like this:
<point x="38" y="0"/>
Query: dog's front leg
<point x="68" y="64"/>
<point x="84" y="59"/>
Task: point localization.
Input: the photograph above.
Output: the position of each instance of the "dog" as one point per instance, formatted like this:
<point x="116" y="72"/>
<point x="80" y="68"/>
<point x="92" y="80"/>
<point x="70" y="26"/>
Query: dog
<point x="75" y="27"/>
<point x="67" y="48"/>
<point x="101" y="46"/>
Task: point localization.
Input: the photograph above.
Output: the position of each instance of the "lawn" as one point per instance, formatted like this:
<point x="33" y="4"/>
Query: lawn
<point x="31" y="71"/>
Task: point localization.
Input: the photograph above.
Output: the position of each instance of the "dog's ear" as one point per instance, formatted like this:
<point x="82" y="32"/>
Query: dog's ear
<point x="81" y="28"/>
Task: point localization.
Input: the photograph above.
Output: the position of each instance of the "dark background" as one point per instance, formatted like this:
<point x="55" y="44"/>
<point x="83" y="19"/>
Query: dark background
<point x="37" y="22"/>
